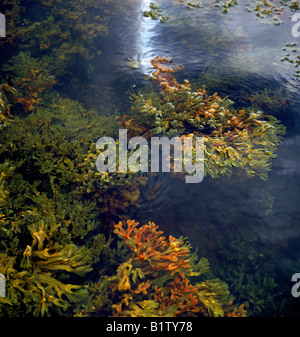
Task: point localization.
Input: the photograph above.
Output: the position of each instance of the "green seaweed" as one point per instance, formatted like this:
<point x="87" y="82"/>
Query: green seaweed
<point x="156" y="280"/>
<point x="57" y="250"/>
<point x="258" y="291"/>
<point x="44" y="220"/>
<point x="234" y="138"/>
<point x="155" y="13"/>
<point x="226" y="4"/>
<point x="292" y="57"/>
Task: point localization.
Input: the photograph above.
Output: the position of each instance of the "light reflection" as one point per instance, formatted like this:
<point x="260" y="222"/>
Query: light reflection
<point x="146" y="33"/>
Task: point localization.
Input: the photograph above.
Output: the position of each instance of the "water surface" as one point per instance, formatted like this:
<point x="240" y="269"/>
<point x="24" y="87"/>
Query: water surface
<point x="231" y="220"/>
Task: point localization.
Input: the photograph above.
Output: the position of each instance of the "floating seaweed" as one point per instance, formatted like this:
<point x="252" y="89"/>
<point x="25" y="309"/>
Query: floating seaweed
<point x="292" y="57"/>
<point x="155" y="13"/>
<point x="226" y="4"/>
<point x="193" y="5"/>
<point x="244" y="138"/>
<point x="133" y="63"/>
<point x="268" y="12"/>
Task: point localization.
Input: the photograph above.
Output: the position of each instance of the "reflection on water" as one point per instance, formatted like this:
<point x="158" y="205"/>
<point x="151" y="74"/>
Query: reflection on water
<point x="144" y="39"/>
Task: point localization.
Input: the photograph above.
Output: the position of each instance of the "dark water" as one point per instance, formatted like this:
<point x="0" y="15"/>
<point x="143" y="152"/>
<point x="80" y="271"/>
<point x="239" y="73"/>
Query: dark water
<point x="231" y="220"/>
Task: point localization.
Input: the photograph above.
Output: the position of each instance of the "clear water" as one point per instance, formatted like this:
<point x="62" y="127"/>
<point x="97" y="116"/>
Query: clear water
<point x="231" y="221"/>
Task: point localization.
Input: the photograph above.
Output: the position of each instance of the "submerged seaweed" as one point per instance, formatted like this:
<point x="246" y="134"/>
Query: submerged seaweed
<point x="67" y="243"/>
<point x="244" y="138"/>
<point x="155" y="280"/>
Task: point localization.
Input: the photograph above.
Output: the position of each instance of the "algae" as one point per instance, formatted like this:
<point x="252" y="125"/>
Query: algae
<point x="58" y="252"/>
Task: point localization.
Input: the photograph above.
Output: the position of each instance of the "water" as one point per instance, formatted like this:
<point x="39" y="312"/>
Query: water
<point x="230" y="220"/>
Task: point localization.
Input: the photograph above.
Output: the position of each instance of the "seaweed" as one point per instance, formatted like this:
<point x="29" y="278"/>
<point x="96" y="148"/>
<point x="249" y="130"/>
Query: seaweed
<point x="155" y="280"/>
<point x="31" y="77"/>
<point x="57" y="212"/>
<point x="63" y="33"/>
<point x="267" y="12"/>
<point x="292" y="57"/>
<point x="49" y="229"/>
<point x="5" y="112"/>
<point x="155" y="13"/>
<point x="258" y="291"/>
<point x="245" y="139"/>
<point x="226" y="4"/>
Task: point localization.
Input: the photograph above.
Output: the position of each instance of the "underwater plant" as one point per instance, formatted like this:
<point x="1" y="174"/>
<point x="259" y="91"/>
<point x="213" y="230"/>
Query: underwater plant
<point x="62" y="35"/>
<point x="60" y="22"/>
<point x="51" y="222"/>
<point x="245" y="138"/>
<point x="273" y="100"/>
<point x="6" y="89"/>
<point x="155" y="280"/>
<point x="258" y="291"/>
<point x="57" y="211"/>
<point x="31" y="77"/>
<point x="36" y="249"/>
